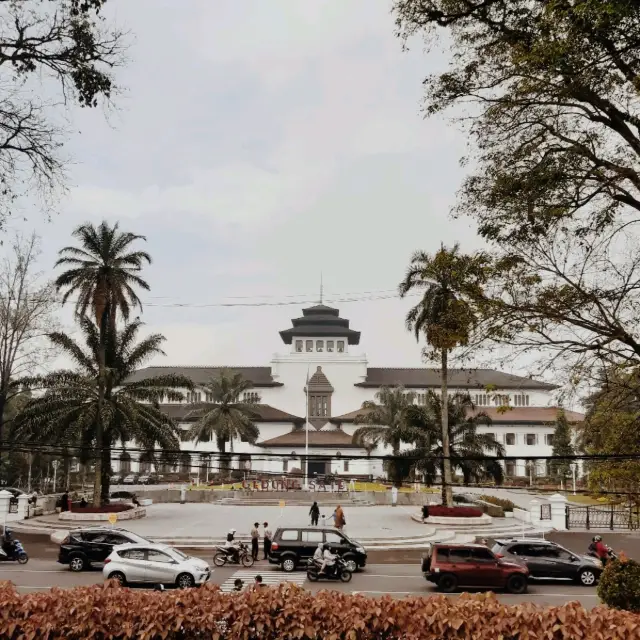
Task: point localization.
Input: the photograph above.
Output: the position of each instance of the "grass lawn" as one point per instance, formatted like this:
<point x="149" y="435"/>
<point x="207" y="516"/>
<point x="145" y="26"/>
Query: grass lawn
<point x="582" y="498"/>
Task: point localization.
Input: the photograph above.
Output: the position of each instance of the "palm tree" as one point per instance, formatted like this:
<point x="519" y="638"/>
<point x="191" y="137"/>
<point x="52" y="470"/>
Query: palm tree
<point x="450" y="281"/>
<point x="67" y="413"/>
<point x="225" y="417"/>
<point x="383" y="423"/>
<point x="102" y="272"/>
<point x="465" y="443"/>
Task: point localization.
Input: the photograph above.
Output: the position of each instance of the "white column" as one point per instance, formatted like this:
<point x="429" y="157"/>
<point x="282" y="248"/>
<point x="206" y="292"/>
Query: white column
<point x="23" y="506"/>
<point x="534" y="510"/>
<point x="5" y="497"/>
<point x="558" y="512"/>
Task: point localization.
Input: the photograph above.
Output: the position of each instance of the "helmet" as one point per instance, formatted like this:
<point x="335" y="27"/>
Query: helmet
<point x="232" y="531"/>
<point x="597" y="539"/>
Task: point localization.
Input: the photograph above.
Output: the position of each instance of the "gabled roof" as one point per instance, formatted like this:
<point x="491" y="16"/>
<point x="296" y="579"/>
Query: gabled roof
<point x="257" y="376"/>
<point x="515" y="415"/>
<point x="265" y="413"/>
<point x="333" y="438"/>
<point x="420" y="378"/>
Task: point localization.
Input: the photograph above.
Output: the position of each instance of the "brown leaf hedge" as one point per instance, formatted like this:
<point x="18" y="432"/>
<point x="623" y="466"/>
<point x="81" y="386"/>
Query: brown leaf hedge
<point x="108" y="612"/>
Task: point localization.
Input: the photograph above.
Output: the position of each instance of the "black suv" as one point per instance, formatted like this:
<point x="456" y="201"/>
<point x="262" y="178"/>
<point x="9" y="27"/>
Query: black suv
<point x="84" y="548"/>
<point x="546" y="559"/>
<point x="294" y="545"/>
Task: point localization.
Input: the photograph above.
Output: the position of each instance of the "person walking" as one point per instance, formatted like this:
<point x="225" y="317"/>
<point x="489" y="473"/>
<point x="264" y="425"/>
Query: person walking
<point x="340" y="520"/>
<point x="255" y="537"/>
<point x="314" y="512"/>
<point x="268" y="537"/>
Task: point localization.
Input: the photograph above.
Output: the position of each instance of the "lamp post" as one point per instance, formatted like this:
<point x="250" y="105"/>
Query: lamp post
<point x="574" y="467"/>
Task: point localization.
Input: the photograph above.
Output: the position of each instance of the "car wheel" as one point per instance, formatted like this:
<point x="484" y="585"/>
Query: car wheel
<point x="118" y="576"/>
<point x="447" y="583"/>
<point x="185" y="581"/>
<point x="289" y="564"/>
<point x="516" y="583"/>
<point x="77" y="563"/>
<point x="587" y="577"/>
<point x="351" y="564"/>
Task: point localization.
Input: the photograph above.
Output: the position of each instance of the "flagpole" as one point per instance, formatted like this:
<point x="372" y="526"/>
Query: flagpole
<point x="306" y="438"/>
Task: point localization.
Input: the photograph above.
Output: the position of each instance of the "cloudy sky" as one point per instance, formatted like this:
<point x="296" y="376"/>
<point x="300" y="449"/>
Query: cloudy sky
<point x="258" y="145"/>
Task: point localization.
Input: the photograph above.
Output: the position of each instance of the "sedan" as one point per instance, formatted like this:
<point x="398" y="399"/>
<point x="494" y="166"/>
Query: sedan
<point x="155" y="564"/>
<point x="130" y="479"/>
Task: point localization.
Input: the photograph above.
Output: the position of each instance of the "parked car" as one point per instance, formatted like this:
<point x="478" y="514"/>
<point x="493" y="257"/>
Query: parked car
<point x="121" y="496"/>
<point x="85" y="548"/>
<point x="450" y="566"/>
<point x="147" y="479"/>
<point x="293" y="546"/>
<point x="155" y="564"/>
<point x="130" y="479"/>
<point x="115" y="479"/>
<point x="546" y="559"/>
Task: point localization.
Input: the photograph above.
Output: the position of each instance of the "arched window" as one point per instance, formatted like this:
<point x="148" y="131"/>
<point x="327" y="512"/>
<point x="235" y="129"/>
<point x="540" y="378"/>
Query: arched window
<point x="185" y="463"/>
<point x="146" y="460"/>
<point x="125" y="462"/>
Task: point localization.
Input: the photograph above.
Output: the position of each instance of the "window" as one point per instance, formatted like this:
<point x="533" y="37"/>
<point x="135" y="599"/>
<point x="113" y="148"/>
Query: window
<point x="548" y="439"/>
<point x="194" y="396"/>
<point x="459" y="555"/>
<point x="318" y="406"/>
<point x="510" y="438"/>
<point x="133" y="554"/>
<point x="492" y="435"/>
<point x="285" y="466"/>
<point x="521" y="400"/>
<point x="125" y="463"/>
<point x="524" y="550"/>
<point x="320" y="346"/>
<point x="333" y="538"/>
<point x="309" y="346"/>
<point x="482" y="555"/>
<point x="346" y="466"/>
<point x="500" y="400"/>
<point x="531" y="439"/>
<point x="421" y="398"/>
<point x="289" y="535"/>
<point x="298" y="346"/>
<point x="481" y="400"/>
<point x="510" y="468"/>
<point x="312" y="536"/>
<point x="329" y="346"/>
<point x="251" y="397"/>
<point x="153" y="555"/>
<point x="340" y="346"/>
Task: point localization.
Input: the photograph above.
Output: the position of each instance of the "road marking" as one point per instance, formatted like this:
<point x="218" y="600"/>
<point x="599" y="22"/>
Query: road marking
<point x="269" y="578"/>
<point x="34" y="571"/>
<point x="515" y="595"/>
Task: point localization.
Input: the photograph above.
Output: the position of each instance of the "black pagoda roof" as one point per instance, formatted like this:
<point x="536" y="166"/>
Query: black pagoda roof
<point x="320" y="321"/>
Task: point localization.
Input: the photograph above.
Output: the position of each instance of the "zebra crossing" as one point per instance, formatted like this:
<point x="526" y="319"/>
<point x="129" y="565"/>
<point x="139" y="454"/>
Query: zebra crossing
<point x="269" y="578"/>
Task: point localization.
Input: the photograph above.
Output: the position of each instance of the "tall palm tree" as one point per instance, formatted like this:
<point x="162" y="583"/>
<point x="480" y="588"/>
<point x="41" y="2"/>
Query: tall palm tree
<point x="449" y="282"/>
<point x="66" y="414"/>
<point x="225" y="417"/>
<point x="102" y="272"/>
<point x="383" y="422"/>
<point x="424" y="429"/>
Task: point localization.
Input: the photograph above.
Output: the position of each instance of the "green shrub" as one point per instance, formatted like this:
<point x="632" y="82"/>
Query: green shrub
<point x="619" y="585"/>
<point x="506" y="505"/>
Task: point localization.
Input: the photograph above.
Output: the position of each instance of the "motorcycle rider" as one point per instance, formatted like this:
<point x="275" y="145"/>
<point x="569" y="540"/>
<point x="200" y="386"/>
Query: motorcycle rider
<point x="7" y="542"/>
<point x="232" y="546"/>
<point x="328" y="559"/>
<point x="600" y="549"/>
<point x="317" y="556"/>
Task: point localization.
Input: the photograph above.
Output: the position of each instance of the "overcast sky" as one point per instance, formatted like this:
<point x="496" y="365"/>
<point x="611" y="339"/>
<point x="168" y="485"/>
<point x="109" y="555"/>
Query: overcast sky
<point x="259" y="144"/>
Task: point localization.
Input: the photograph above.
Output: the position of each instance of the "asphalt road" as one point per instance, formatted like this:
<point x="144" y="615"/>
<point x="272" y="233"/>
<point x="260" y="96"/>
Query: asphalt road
<point x="396" y="580"/>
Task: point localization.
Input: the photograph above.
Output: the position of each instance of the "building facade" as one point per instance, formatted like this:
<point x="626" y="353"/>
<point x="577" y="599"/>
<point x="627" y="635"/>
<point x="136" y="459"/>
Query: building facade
<point x="322" y="376"/>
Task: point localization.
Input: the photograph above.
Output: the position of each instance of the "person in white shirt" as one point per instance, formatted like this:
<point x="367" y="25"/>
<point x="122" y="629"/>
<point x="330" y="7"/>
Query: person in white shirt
<point x="317" y="556"/>
<point x="328" y="559"/>
<point x="232" y="545"/>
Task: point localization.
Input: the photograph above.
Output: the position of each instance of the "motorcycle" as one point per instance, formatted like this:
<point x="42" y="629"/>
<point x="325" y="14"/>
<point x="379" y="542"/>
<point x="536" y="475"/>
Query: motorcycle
<point x="15" y="553"/>
<point x="338" y="571"/>
<point x="224" y="555"/>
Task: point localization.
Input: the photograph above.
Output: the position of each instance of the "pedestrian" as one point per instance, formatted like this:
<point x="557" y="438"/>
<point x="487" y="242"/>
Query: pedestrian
<point x="425" y="512"/>
<point x="314" y="512"/>
<point x="255" y="537"/>
<point x="64" y="502"/>
<point x="257" y="583"/>
<point x="268" y="537"/>
<point x="340" y="520"/>
<point x="238" y="584"/>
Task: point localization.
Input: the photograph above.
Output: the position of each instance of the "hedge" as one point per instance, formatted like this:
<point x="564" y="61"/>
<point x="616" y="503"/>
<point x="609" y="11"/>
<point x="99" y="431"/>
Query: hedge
<point x="454" y="512"/>
<point x="289" y="612"/>
<point x="619" y="585"/>
<point x="506" y="505"/>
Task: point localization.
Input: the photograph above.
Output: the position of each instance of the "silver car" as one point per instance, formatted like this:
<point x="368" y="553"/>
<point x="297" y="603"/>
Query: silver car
<point x="155" y="564"/>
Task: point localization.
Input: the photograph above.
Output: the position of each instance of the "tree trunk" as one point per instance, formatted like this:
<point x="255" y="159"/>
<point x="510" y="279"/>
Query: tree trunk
<point x="3" y="402"/>
<point x="106" y="473"/>
<point x="447" y="488"/>
<point x="102" y="375"/>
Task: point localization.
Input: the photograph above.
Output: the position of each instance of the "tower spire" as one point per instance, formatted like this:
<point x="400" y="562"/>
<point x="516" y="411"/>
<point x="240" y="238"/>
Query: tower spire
<point x="321" y="289"/>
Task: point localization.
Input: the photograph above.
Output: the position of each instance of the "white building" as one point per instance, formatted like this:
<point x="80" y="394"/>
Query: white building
<point x="323" y="348"/>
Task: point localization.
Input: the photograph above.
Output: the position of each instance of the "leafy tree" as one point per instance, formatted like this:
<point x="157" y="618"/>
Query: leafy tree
<point x="225" y="418"/>
<point x="383" y="422"/>
<point x="549" y="91"/>
<point x="66" y="414"/>
<point x="102" y="272"/>
<point x="562" y="446"/>
<point x="59" y="45"/>
<point x="446" y="315"/>
<point x="424" y="423"/>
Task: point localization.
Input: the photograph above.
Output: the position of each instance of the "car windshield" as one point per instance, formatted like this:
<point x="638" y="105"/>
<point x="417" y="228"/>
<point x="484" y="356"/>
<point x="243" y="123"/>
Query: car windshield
<point x="177" y="553"/>
<point x="134" y="537"/>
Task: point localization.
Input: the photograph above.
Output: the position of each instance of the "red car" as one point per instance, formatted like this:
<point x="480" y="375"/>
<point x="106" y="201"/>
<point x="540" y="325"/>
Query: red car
<point x="450" y="566"/>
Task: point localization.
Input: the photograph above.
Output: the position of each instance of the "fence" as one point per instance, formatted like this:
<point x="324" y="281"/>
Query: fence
<point x="600" y="517"/>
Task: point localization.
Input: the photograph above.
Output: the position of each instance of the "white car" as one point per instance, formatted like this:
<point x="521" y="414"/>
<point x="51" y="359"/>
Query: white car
<point x="155" y="564"/>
